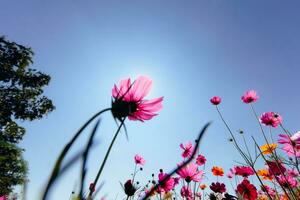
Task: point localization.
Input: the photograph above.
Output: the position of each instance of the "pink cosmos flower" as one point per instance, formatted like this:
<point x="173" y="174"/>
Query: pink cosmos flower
<point x="139" y="160"/>
<point x="244" y="171"/>
<point x="271" y="119"/>
<point x="3" y="198"/>
<point x="250" y="96"/>
<point x="188" y="149"/>
<point x="190" y="173"/>
<point x="129" y="100"/>
<point x="293" y="173"/>
<point x="168" y="184"/>
<point x="200" y="160"/>
<point x="287" y="181"/>
<point x="186" y="192"/>
<point x="291" y="144"/>
<point x="216" y="100"/>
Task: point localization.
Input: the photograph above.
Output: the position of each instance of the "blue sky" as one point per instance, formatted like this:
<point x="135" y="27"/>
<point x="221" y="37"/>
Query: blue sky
<point x="191" y="49"/>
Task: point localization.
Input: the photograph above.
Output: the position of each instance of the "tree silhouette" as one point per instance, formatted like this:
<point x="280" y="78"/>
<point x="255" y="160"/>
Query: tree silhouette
<point x="21" y="98"/>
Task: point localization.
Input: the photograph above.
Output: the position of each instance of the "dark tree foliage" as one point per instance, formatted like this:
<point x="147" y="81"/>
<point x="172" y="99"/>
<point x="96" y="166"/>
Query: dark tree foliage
<point x="21" y="98"/>
<point x="12" y="167"/>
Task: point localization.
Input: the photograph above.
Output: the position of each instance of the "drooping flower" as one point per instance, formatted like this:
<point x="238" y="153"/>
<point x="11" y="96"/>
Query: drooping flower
<point x="139" y="160"/>
<point x="264" y="173"/>
<point x="271" y="119"/>
<point x="200" y="160"/>
<point x="231" y="173"/>
<point x="217" y="171"/>
<point x="247" y="190"/>
<point x="268" y="148"/>
<point x="218" y="187"/>
<point x="129" y="100"/>
<point x="275" y="168"/>
<point x="190" y="173"/>
<point x="244" y="171"/>
<point x="92" y="187"/>
<point x="291" y="145"/>
<point x="187" y="148"/>
<point x="186" y="192"/>
<point x="216" y="100"/>
<point x="250" y="96"/>
<point x="129" y="189"/>
<point x="287" y="181"/>
<point x="167" y="185"/>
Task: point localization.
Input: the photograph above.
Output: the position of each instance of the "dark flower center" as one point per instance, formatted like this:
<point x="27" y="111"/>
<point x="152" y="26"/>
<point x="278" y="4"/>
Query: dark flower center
<point x="121" y="109"/>
<point x="188" y="179"/>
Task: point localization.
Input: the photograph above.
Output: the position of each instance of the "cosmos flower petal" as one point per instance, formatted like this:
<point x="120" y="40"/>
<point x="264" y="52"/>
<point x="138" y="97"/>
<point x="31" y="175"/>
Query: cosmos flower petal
<point x="140" y="88"/>
<point x="123" y="88"/>
<point x="152" y="105"/>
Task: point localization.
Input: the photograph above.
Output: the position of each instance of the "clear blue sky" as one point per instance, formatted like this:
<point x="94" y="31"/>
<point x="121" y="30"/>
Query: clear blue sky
<point x="191" y="49"/>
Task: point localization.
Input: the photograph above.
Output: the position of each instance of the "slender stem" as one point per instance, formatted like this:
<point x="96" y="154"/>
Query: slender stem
<point x="57" y="166"/>
<point x="248" y="160"/>
<point x="107" y="154"/>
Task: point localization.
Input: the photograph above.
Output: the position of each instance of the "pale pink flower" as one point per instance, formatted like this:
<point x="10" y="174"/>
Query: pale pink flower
<point x="190" y="173"/>
<point x="291" y="145"/>
<point x="216" y="100"/>
<point x="129" y="100"/>
<point x="186" y="192"/>
<point x="168" y="185"/>
<point x="250" y="96"/>
<point x="231" y="173"/>
<point x="200" y="160"/>
<point x="188" y="149"/>
<point x="139" y="160"/>
<point x="271" y="119"/>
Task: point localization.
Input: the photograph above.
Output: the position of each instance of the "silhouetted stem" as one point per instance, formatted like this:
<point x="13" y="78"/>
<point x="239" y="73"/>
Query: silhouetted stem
<point x="106" y="155"/>
<point x="56" y="169"/>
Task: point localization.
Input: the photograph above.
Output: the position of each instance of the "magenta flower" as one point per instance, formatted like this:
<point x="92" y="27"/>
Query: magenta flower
<point x="244" y="171"/>
<point x="186" y="192"/>
<point x="129" y="100"/>
<point x="187" y="149"/>
<point x="139" y="160"/>
<point x="287" y="181"/>
<point x="293" y="172"/>
<point x="291" y="145"/>
<point x="190" y="173"/>
<point x="200" y="160"/>
<point x="271" y="119"/>
<point x="275" y="168"/>
<point x="216" y="100"/>
<point x="168" y="185"/>
<point x="250" y="96"/>
<point x="271" y="191"/>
